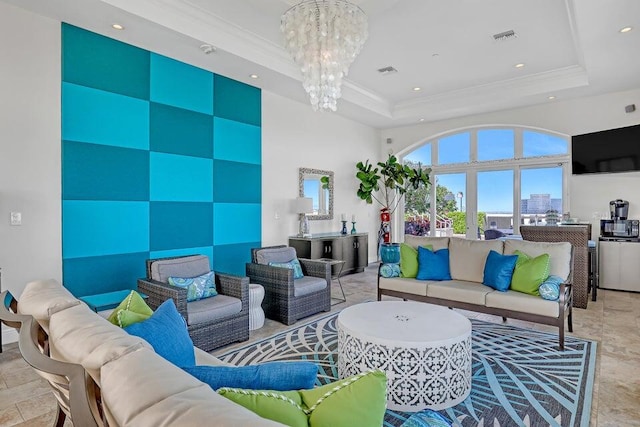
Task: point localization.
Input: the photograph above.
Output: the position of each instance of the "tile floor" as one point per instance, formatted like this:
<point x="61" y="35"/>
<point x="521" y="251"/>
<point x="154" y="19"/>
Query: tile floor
<point x="613" y="321"/>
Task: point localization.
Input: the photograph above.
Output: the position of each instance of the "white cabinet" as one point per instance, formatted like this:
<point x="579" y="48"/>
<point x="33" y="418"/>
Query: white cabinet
<point x="619" y="265"/>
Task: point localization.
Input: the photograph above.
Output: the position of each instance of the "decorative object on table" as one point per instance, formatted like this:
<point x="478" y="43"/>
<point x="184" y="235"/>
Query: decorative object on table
<point x="390" y="253"/>
<point x="392" y="179"/>
<point x="507" y="387"/>
<point x="344" y="227"/>
<point x="256" y="314"/>
<point x="552" y="217"/>
<point x="353" y="227"/>
<point x="303" y="206"/>
<point x="338" y="29"/>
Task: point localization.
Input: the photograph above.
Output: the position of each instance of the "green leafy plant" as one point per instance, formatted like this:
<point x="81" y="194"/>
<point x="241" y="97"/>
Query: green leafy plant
<point x="324" y="180"/>
<point x="387" y="182"/>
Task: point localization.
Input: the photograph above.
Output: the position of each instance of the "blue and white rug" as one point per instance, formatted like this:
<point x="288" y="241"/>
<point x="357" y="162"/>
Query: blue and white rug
<point x="519" y="378"/>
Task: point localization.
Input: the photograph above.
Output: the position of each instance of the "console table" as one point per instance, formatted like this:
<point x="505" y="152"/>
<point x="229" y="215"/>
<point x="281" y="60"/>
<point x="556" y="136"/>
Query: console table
<point x="353" y="249"/>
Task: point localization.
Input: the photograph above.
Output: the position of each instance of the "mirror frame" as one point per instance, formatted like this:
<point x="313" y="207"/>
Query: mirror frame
<point x="301" y="173"/>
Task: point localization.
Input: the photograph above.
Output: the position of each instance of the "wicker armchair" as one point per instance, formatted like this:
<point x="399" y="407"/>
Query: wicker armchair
<point x="280" y="301"/>
<point x="208" y="329"/>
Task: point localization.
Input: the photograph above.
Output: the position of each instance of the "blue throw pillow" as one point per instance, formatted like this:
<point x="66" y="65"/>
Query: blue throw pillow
<point x="281" y="376"/>
<point x="550" y="288"/>
<point x="197" y="287"/>
<point x="167" y="333"/>
<point x="294" y="265"/>
<point x="433" y="265"/>
<point x="498" y="270"/>
<point x="390" y="270"/>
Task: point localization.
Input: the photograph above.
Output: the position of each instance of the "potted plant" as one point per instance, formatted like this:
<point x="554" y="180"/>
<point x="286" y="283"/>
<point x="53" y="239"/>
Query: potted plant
<point x="386" y="183"/>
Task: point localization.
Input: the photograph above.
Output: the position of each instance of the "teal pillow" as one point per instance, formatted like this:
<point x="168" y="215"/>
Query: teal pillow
<point x="498" y="270"/>
<point x="167" y="333"/>
<point x="433" y="265"/>
<point x="282" y="376"/>
<point x="390" y="270"/>
<point x="197" y="287"/>
<point x="550" y="288"/>
<point x="294" y="265"/>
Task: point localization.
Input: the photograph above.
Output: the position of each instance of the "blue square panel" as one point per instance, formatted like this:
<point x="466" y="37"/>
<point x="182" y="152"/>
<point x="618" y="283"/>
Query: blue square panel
<point x="92" y="60"/>
<point x="207" y="250"/>
<point x="91" y="115"/>
<point x="237" y="223"/>
<point x="97" y="275"/>
<point x="102" y="172"/>
<point x="181" y="85"/>
<point x="236" y="101"/>
<point x="93" y="228"/>
<point x="231" y="259"/>
<point x="180" y="178"/>
<point x="236" y="141"/>
<point x="236" y="182"/>
<point x="178" y="225"/>
<point x="178" y="131"/>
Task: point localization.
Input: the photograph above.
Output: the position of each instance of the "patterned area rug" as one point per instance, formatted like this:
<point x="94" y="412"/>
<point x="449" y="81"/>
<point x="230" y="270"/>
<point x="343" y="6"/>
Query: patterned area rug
<point x="519" y="378"/>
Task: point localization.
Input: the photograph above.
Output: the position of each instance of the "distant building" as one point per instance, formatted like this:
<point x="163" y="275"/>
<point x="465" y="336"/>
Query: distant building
<point x="539" y="204"/>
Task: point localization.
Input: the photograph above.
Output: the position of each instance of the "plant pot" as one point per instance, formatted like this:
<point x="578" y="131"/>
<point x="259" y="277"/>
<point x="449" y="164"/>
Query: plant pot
<point x="390" y="253"/>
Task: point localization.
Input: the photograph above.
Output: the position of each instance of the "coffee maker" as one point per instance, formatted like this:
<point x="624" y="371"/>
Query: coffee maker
<point x="619" y="209"/>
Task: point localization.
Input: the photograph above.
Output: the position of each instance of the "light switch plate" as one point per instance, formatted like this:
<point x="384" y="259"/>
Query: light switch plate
<point x="16" y="218"/>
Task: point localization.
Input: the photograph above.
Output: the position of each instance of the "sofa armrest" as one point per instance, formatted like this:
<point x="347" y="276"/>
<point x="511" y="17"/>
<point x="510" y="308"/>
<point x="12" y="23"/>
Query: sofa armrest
<point x="276" y="279"/>
<point x="159" y="292"/>
<point x="234" y="286"/>
<point x="316" y="268"/>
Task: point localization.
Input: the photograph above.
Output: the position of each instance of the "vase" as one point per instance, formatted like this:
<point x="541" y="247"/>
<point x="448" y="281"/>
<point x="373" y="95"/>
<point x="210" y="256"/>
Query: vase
<point x="390" y="253"/>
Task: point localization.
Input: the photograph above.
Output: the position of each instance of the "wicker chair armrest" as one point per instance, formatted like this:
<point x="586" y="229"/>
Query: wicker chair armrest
<point x="271" y="277"/>
<point x="316" y="268"/>
<point x="159" y="292"/>
<point x="234" y="286"/>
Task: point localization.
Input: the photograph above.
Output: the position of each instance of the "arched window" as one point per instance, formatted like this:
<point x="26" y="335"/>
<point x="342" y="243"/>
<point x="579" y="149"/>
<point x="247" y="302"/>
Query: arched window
<point x="489" y="180"/>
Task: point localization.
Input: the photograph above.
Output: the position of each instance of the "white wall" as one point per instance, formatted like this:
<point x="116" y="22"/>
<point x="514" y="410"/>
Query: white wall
<point x="29" y="149"/>
<point x="588" y="194"/>
<point x="294" y="136"/>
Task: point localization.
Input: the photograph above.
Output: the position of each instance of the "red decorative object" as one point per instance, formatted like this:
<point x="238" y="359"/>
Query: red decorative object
<point x="385" y="225"/>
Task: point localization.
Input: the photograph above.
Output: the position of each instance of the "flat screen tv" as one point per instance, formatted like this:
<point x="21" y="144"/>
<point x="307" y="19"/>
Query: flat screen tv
<point x="607" y="151"/>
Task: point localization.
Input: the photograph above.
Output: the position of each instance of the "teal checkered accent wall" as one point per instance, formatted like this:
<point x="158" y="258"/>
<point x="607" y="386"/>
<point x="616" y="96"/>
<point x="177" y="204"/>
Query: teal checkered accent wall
<point x="159" y="158"/>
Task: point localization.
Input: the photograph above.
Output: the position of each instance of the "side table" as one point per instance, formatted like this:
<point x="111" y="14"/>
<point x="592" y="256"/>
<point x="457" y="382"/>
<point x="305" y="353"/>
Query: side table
<point x="341" y="263"/>
<point x="256" y="314"/>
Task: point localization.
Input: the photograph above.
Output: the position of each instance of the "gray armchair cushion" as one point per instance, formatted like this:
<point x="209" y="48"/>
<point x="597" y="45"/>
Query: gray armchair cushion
<point x="208" y="309"/>
<point x="265" y="256"/>
<point x="191" y="266"/>
<point x="308" y="285"/>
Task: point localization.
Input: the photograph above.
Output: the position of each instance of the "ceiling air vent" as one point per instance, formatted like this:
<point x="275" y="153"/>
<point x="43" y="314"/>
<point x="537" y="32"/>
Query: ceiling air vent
<point x="387" y="70"/>
<point x="504" y="36"/>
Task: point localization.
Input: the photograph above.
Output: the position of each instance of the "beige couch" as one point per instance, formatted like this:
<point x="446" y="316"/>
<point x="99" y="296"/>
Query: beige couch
<point x="138" y="387"/>
<point x="466" y="291"/>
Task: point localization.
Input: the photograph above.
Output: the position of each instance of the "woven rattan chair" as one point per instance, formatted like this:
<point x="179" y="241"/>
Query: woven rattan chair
<point x="77" y="395"/>
<point x="578" y="236"/>
<point x="209" y="334"/>
<point x="280" y="301"/>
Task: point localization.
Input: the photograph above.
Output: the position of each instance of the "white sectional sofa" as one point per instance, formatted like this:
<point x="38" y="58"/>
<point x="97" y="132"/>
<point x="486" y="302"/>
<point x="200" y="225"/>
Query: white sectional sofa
<point x="138" y="387"/>
<point x="466" y="291"/>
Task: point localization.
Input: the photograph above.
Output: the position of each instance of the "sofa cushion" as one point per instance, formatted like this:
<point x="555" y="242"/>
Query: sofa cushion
<point x="267" y="255"/>
<point x="294" y="265"/>
<point x="282" y="376"/>
<point x="167" y="333"/>
<point x="408" y="285"/>
<point x="467" y="257"/>
<point x="199" y="287"/>
<point x="173" y="399"/>
<point x="559" y="254"/>
<point x="390" y="270"/>
<point x="524" y="303"/>
<point x="550" y="288"/>
<point x="189" y="266"/>
<point x="436" y="243"/>
<point x="498" y="270"/>
<point x="131" y="310"/>
<point x="530" y="273"/>
<point x="208" y="309"/>
<point x="308" y="285"/>
<point x="41" y="295"/>
<point x="433" y="265"/>
<point x="409" y="259"/>
<point x="457" y="290"/>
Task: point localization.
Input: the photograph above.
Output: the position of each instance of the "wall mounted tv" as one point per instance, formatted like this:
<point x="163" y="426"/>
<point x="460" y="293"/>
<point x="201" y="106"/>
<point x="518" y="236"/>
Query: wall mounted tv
<point x="607" y="151"/>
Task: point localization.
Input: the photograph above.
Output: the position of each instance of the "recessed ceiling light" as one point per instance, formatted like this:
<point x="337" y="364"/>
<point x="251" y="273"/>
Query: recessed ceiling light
<point x="417" y="89"/>
<point x="117" y="27"/>
<point x="254" y="76"/>
<point x="626" y="29"/>
<point x="435" y="55"/>
<point x="520" y="65"/>
<point x="551" y="97"/>
<point x="421" y="120"/>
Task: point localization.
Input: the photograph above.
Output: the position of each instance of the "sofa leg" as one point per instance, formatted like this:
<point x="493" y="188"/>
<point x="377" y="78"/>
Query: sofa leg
<point x="570" y="320"/>
<point x="504" y="319"/>
<point x="60" y="418"/>
<point x="561" y="338"/>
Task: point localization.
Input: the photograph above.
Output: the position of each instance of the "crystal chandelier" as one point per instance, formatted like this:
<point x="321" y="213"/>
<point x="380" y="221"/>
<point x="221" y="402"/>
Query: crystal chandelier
<point x="324" y="37"/>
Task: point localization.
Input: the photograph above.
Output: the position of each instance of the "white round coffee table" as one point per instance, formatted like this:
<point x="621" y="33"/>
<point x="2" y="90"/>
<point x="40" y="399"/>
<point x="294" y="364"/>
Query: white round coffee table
<point x="424" y="349"/>
<point x="256" y="314"/>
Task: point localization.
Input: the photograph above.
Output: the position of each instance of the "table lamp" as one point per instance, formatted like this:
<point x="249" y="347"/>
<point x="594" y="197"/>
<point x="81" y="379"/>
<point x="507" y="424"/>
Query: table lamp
<point x="303" y="206"/>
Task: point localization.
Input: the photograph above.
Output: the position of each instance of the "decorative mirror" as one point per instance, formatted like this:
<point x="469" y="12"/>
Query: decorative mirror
<point x="318" y="185"/>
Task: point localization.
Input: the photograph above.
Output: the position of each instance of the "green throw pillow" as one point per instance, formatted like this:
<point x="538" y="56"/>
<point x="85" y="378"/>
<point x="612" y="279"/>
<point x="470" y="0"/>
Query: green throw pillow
<point x="131" y="310"/>
<point x="529" y="273"/>
<point x="357" y="400"/>
<point x="409" y="260"/>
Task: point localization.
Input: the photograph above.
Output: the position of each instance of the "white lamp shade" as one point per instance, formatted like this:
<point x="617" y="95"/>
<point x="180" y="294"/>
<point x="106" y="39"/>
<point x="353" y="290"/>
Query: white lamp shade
<point x="303" y="205"/>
